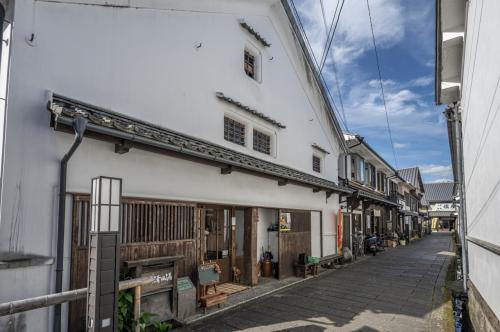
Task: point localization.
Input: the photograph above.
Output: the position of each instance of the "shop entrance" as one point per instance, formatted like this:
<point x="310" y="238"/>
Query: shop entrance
<point x="216" y="226"/>
<point x="226" y="236"/>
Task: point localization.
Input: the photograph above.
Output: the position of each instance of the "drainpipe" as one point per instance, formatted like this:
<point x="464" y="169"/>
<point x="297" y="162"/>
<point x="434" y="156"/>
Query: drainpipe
<point x="79" y="126"/>
<point x="453" y="115"/>
<point x="2" y="18"/>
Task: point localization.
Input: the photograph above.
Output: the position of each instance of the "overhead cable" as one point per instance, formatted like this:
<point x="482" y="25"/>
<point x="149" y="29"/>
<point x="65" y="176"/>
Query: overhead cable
<point x="381" y="85"/>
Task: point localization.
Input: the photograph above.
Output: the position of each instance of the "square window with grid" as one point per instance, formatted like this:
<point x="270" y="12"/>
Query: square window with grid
<point x="316" y="164"/>
<point x="249" y="64"/>
<point x="261" y="142"/>
<point x="234" y="131"/>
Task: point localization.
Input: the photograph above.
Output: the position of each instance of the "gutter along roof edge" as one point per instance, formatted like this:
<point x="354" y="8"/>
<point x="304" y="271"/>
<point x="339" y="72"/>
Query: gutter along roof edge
<point x="105" y="122"/>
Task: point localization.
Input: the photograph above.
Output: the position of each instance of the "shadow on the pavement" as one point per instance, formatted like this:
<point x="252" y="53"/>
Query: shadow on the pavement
<point x="393" y="291"/>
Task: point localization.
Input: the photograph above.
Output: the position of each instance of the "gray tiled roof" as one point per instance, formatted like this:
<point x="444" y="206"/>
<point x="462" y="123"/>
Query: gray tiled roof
<point x="439" y="191"/>
<point x="120" y="126"/>
<point x="412" y="176"/>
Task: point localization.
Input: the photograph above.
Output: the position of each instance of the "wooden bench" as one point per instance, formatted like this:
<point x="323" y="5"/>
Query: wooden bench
<point x="304" y="269"/>
<point x="330" y="260"/>
<point x="211" y="300"/>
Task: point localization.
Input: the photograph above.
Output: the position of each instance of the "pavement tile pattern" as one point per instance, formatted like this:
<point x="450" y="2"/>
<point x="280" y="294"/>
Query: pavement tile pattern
<point x="401" y="289"/>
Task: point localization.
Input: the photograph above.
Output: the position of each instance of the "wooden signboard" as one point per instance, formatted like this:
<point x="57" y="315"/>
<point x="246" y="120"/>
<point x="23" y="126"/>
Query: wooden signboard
<point x="207" y="274"/>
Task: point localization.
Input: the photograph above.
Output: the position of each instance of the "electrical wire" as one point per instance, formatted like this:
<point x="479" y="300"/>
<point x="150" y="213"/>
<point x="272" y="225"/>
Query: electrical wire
<point x="381" y="84"/>
<point x="333" y="35"/>
<point x="303" y="32"/>
<point x="327" y="32"/>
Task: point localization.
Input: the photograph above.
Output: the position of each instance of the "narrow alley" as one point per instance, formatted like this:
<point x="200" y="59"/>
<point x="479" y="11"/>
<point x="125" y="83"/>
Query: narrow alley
<point x="398" y="290"/>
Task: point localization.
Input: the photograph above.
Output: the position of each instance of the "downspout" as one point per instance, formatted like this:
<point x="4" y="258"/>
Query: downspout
<point x="79" y="126"/>
<point x="2" y="18"/>
<point x="454" y="116"/>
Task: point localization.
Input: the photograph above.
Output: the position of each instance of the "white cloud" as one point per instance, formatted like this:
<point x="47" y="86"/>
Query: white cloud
<point x="421" y="81"/>
<point x="413" y="117"/>
<point x="407" y="111"/>
<point x="353" y="35"/>
<point x="444" y="171"/>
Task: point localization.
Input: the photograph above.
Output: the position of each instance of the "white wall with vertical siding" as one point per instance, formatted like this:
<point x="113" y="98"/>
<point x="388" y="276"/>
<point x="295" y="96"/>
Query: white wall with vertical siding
<point x="481" y="136"/>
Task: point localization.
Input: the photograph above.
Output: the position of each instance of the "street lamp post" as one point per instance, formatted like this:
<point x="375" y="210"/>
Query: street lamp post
<point x="104" y="254"/>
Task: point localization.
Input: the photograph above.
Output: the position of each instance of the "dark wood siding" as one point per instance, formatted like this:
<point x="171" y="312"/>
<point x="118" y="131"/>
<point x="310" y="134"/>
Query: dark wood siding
<point x="150" y="228"/>
<point x="294" y="242"/>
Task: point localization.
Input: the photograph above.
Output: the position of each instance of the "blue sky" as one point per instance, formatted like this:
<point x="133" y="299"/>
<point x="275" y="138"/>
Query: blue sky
<point x="404" y="30"/>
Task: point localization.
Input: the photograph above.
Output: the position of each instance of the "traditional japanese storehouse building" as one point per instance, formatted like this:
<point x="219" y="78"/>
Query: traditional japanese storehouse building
<point x="212" y="113"/>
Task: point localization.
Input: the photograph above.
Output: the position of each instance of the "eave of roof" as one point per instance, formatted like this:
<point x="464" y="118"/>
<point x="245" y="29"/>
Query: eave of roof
<point x="365" y="193"/>
<point x="410" y="213"/>
<point x="118" y="126"/>
<point x="368" y="146"/>
<point x="437" y="214"/>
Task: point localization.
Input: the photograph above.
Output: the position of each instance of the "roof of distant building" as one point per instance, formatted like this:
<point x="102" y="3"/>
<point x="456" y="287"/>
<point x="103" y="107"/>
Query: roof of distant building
<point x="439" y="192"/>
<point x="412" y="176"/>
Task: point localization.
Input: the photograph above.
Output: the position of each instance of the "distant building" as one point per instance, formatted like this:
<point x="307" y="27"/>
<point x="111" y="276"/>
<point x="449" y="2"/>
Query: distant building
<point x="468" y="82"/>
<point x="373" y="208"/>
<point x="439" y="195"/>
<point x="413" y="190"/>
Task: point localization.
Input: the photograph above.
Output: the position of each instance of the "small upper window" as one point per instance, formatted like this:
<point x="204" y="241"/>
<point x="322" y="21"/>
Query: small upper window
<point x="250" y="63"/>
<point x="316" y="161"/>
<point x="234" y="131"/>
<point x="261" y="142"/>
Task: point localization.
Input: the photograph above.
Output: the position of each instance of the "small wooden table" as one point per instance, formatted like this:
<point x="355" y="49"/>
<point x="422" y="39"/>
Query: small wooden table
<point x="304" y="269"/>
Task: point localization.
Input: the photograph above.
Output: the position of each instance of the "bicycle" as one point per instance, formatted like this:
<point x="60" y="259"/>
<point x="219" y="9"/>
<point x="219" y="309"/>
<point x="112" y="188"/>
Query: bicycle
<point x="358" y="248"/>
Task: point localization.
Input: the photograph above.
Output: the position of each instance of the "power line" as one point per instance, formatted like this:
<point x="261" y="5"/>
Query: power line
<point x="381" y="84"/>
<point x="333" y="35"/>
<point x="327" y="32"/>
<point x="338" y="92"/>
<point x="303" y="32"/>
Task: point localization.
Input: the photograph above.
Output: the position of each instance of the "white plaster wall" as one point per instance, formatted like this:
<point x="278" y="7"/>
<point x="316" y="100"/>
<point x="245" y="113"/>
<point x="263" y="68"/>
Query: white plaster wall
<point x="142" y="62"/>
<point x="316" y="234"/>
<point x="481" y="127"/>
<point x="481" y="131"/>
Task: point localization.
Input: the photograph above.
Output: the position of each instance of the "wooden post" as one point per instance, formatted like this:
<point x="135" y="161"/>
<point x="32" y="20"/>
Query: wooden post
<point x="250" y="248"/>
<point x="137" y="306"/>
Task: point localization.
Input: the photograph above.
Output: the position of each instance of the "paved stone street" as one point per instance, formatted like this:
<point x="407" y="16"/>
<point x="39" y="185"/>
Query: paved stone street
<point x="398" y="290"/>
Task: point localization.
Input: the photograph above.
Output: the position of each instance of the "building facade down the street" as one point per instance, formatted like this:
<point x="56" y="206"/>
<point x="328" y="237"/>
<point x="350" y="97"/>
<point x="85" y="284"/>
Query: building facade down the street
<point x="439" y="195"/>
<point x="213" y="115"/>
<point x="468" y="82"/>
<point x="373" y="208"/>
<point x="412" y="189"/>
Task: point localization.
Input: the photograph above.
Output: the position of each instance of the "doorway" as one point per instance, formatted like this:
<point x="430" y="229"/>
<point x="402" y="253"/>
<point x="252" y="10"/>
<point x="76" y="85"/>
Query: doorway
<point x="228" y="236"/>
<point x="217" y="234"/>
